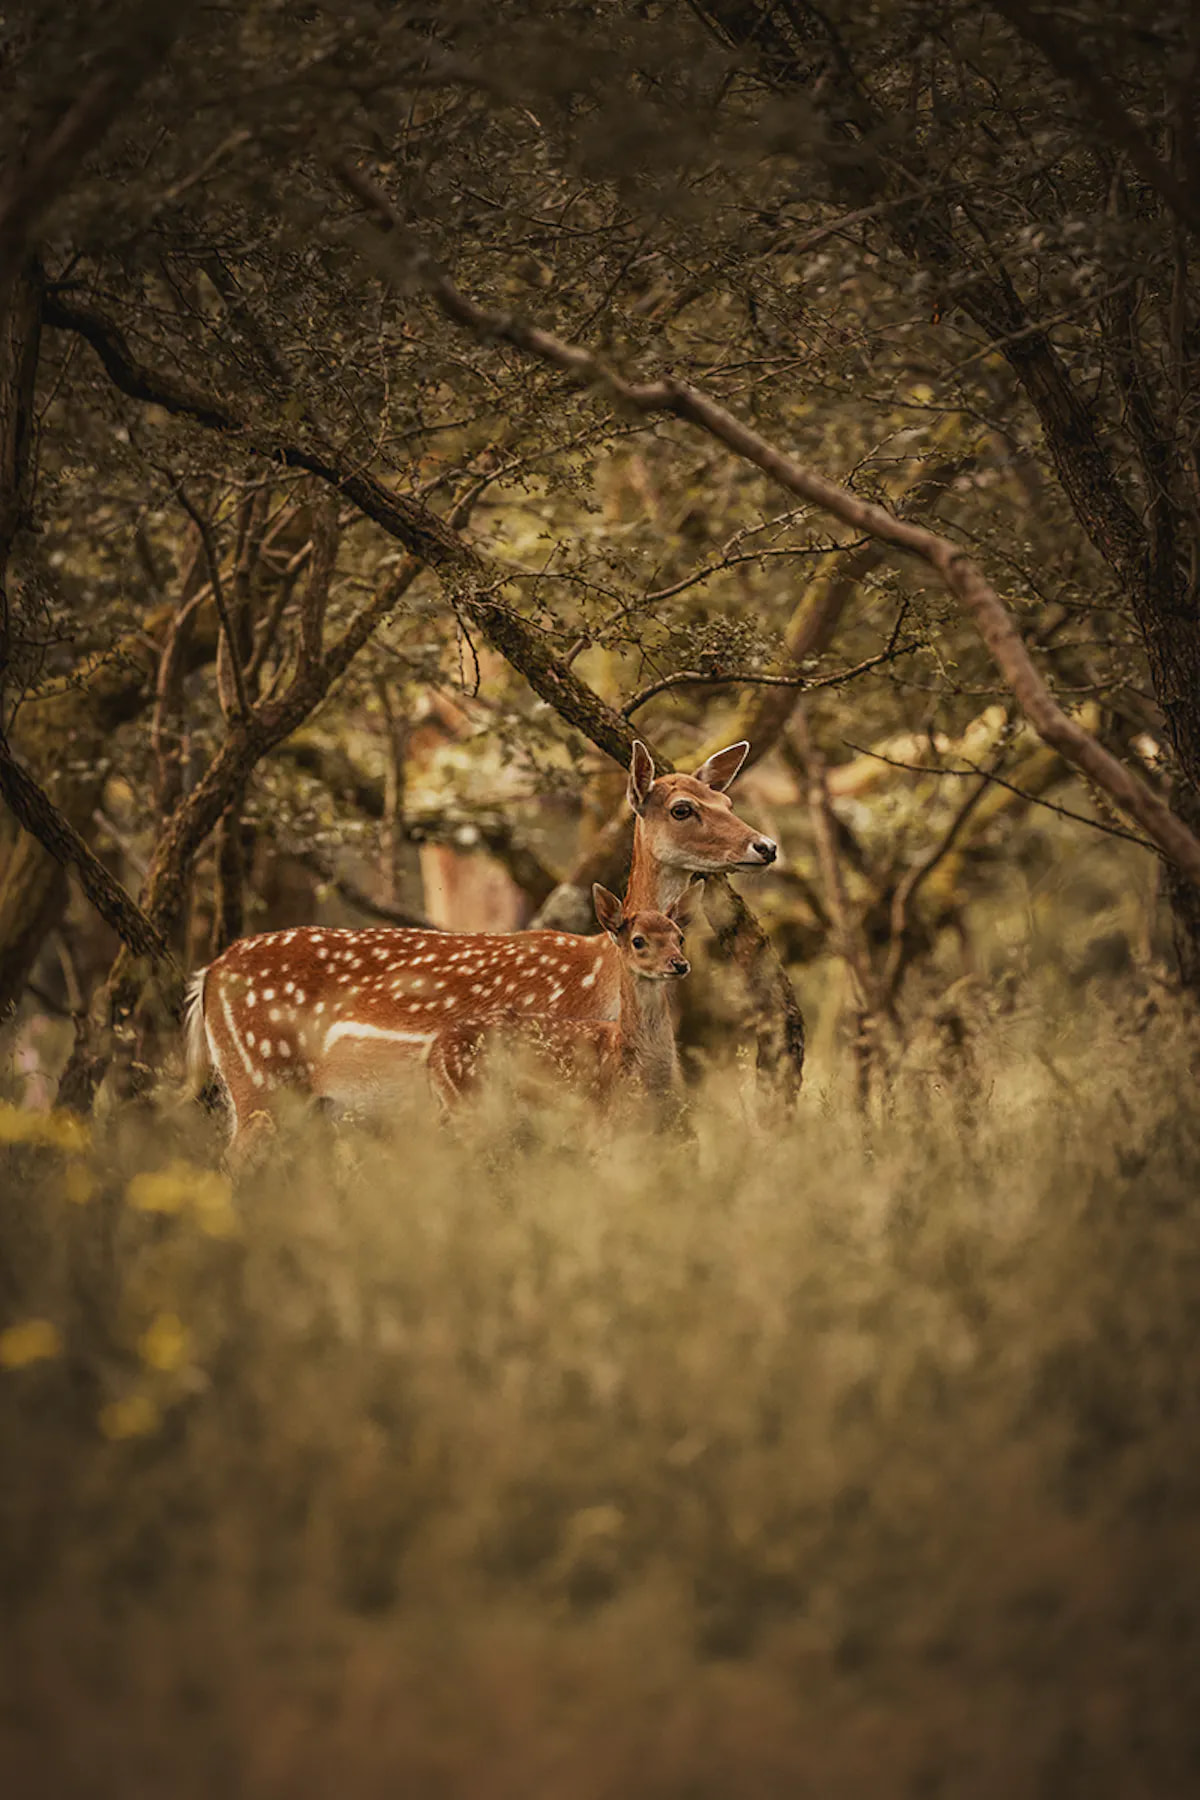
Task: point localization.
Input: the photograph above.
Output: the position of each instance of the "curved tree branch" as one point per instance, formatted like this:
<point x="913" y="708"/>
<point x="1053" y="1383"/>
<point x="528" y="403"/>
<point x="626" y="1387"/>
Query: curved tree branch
<point x="802" y="684"/>
<point x="422" y="532"/>
<point x="36" y="812"/>
<point x="959" y="574"/>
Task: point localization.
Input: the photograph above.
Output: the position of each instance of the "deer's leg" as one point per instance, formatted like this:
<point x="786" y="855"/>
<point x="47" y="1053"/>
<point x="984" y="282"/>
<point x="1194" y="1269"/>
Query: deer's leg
<point x="252" y="1136"/>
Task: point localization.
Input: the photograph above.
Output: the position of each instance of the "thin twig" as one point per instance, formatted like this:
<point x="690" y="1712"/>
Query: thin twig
<point x="1064" y="812"/>
<point x="400" y="257"/>
<point x="739" y="677"/>
<point x="906" y="889"/>
<point x="214" y="575"/>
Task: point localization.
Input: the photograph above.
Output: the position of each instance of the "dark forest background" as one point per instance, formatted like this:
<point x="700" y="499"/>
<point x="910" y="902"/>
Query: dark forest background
<point x="940" y="256"/>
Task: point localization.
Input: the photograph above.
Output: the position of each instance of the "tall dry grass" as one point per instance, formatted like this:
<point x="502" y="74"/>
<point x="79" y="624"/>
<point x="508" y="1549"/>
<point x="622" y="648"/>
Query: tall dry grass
<point x="847" y="1459"/>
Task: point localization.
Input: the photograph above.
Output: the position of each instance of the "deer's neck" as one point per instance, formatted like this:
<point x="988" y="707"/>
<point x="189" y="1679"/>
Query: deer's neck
<point x="648" y="1032"/>
<point x="652" y="887"/>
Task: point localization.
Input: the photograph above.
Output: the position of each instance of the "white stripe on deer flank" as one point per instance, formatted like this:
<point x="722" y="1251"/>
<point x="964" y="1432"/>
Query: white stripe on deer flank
<point x="233" y="1032"/>
<point x="353" y="1028"/>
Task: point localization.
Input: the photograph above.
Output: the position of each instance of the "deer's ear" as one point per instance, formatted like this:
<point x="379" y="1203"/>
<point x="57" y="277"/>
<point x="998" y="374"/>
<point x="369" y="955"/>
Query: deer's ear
<point x="685" y="908"/>
<point x="609" y="910"/>
<point x="641" y="776"/>
<point x="721" y="768"/>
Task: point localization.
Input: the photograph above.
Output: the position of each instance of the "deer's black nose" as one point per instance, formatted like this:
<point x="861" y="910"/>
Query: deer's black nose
<point x="681" y="965"/>
<point x="766" y="849"/>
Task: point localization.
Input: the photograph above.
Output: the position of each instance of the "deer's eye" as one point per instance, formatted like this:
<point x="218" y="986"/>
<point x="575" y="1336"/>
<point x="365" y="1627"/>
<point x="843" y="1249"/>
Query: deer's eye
<point x="639" y="943"/>
<point x="681" y="810"/>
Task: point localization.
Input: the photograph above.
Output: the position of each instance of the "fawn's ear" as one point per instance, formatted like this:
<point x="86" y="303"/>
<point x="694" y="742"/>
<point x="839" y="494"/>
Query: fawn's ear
<point x="641" y="776"/>
<point x="684" y="910"/>
<point x="721" y="767"/>
<point x="609" y="910"/>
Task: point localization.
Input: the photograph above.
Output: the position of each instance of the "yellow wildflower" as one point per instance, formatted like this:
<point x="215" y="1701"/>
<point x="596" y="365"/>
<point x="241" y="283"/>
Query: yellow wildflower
<point x="181" y="1184"/>
<point x="160" y="1190"/>
<point x="34" y="1340"/>
<point x="59" y="1130"/>
<point x="165" y="1343"/>
<point x="135" y="1416"/>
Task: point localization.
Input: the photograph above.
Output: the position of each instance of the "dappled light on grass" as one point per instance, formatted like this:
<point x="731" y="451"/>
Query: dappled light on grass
<point x="842" y="1459"/>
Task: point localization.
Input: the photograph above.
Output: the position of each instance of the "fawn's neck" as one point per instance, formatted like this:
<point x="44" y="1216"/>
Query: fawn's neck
<point x="648" y="1032"/>
<point x="652" y="886"/>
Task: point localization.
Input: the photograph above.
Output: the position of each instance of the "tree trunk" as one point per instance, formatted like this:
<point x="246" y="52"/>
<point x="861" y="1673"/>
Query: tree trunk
<point x="21" y="912"/>
<point x="1169" y="620"/>
<point x="70" y="735"/>
<point x="20" y="336"/>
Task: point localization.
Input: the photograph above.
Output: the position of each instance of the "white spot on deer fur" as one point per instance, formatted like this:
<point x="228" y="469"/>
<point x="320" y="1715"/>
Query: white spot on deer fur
<point x="268" y="993"/>
<point x="590" y="980"/>
<point x="275" y="1015"/>
<point x="299" y="996"/>
<point x="250" y="1039"/>
<point x="251" y="998"/>
<point x="264" y="1049"/>
<point x="257" y="1076"/>
<point x="285" y="1049"/>
<point x="320" y="1007"/>
<point x="289" y="987"/>
<point x="554" y="994"/>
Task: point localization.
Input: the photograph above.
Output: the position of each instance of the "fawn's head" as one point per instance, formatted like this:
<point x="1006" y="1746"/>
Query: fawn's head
<point x="687" y="821"/>
<point x="651" y="943"/>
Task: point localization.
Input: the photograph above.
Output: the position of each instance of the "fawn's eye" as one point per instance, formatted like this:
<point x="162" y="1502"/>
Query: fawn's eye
<point x="681" y="810"/>
<point x="639" y="943"/>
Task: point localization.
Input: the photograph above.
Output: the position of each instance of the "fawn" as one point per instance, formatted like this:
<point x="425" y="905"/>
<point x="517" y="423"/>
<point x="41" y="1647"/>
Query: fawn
<point x="638" y="1047"/>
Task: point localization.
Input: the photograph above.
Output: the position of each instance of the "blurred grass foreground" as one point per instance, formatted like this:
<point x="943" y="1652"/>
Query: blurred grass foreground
<point x="840" y="1459"/>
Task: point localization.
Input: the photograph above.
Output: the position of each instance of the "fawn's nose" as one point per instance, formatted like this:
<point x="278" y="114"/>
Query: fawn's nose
<point x="681" y="966"/>
<point x="766" y="849"/>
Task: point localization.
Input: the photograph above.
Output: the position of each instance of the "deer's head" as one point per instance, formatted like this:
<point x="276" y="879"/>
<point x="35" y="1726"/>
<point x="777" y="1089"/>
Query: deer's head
<point x="650" y="942"/>
<point x="688" y="822"/>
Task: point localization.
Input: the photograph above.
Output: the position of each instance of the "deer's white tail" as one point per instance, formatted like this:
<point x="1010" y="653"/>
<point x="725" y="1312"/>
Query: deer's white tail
<point x="199" y="1059"/>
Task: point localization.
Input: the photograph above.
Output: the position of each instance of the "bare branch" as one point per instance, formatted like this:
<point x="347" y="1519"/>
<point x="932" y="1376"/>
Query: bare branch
<point x="959" y="574"/>
<point x="316" y="589"/>
<point x="33" y="808"/>
<point x="910" y="883"/>
<point x="422" y="532"/>
<point x="232" y="658"/>
<point x="1064" y="812"/>
<point x="730" y="678"/>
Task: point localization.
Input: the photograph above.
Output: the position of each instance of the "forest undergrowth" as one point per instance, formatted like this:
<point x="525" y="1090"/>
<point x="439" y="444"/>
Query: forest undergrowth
<point x="838" y="1458"/>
